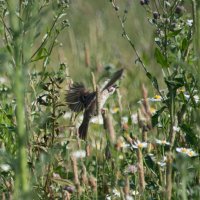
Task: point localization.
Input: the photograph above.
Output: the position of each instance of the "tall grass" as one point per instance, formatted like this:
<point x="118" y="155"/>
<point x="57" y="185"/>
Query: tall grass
<point x="146" y="143"/>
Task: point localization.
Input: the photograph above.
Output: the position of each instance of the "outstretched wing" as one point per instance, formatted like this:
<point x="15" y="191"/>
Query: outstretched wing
<point x="76" y="96"/>
<point x="116" y="76"/>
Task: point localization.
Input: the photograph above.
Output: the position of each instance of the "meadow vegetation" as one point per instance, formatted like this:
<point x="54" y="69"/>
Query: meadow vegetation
<point x="146" y="146"/>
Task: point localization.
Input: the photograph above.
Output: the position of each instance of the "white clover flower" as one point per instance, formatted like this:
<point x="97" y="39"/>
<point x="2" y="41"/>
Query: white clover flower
<point x="187" y="151"/>
<point x="176" y="128"/>
<point x="139" y="144"/>
<point x="162" y="142"/>
<point x="79" y="154"/>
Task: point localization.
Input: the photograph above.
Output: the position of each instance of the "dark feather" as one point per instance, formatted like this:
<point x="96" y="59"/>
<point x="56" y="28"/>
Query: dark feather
<point x="116" y="76"/>
<point x="76" y="96"/>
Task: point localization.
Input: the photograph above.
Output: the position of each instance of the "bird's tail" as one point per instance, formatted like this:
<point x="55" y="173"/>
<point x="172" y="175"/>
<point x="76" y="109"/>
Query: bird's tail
<point x="83" y="129"/>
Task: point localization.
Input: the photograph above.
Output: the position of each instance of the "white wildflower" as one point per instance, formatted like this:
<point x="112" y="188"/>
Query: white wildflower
<point x="139" y="144"/>
<point x="162" y="142"/>
<point x="187" y="151"/>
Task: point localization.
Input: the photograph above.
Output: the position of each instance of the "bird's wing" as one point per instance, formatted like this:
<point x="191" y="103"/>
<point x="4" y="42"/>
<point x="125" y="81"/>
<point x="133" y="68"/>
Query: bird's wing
<point x="76" y="97"/>
<point x="116" y="76"/>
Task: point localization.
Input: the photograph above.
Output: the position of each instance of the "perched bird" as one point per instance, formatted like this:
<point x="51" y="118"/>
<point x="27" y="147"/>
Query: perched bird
<point x="79" y="98"/>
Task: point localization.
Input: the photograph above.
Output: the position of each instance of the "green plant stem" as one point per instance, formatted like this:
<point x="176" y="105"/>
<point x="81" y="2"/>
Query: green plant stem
<point x="196" y="29"/>
<point x="21" y="171"/>
<point x="168" y="191"/>
<point x="172" y="117"/>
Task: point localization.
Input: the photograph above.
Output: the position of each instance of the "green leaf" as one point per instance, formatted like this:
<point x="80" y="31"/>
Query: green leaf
<point x="153" y="80"/>
<point x="160" y="58"/>
<point x="190" y="135"/>
<point x="174" y="33"/>
<point x="184" y="45"/>
<point x="154" y="119"/>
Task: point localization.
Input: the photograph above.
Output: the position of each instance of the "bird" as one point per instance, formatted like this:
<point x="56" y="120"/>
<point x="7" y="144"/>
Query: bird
<point x="79" y="98"/>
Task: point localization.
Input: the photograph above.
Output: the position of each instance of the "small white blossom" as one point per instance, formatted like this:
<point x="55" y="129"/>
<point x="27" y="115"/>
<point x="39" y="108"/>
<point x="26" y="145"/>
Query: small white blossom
<point x="5" y="167"/>
<point x="187" y="151"/>
<point x="189" y="22"/>
<point x="139" y="144"/>
<point x="156" y="98"/>
<point x="196" y="97"/>
<point x="192" y="153"/>
<point x="79" y="154"/>
<point x="182" y="150"/>
<point x="162" y="142"/>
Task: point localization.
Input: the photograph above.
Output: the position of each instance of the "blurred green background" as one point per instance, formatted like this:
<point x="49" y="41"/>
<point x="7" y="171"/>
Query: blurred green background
<point x="94" y="41"/>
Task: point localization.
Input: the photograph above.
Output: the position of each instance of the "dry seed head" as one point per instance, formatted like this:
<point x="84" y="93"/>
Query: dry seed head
<point x="93" y="182"/>
<point x="75" y="170"/>
<point x="87" y="149"/>
<point x="140" y="170"/>
<point x="84" y="175"/>
<point x="127" y="187"/>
